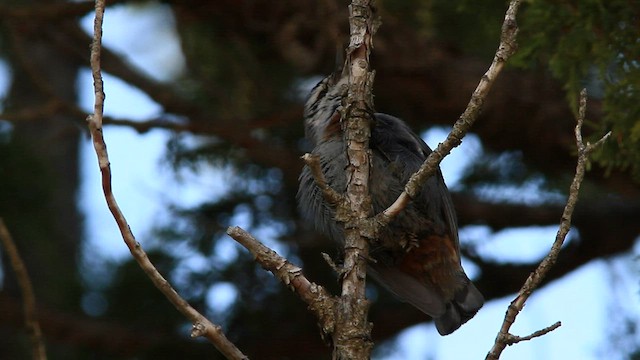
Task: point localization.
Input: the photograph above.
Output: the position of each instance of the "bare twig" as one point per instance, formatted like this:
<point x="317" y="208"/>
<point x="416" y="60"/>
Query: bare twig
<point x="320" y="302"/>
<point x="96" y="72"/>
<point x="504" y="338"/>
<point x="535" y="334"/>
<point x="201" y="325"/>
<point x="332" y="264"/>
<point x="28" y="297"/>
<point x="330" y="195"/>
<point x="506" y="49"/>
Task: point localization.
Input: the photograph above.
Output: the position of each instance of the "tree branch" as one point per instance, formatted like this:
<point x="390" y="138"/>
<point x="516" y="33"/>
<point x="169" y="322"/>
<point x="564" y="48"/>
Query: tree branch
<point x="352" y="338"/>
<point x="345" y="318"/>
<point x="535" y="334"/>
<point x="504" y="338"/>
<point x="331" y="196"/>
<point x="201" y="325"/>
<point x="28" y="297"/>
<point x="506" y="49"/>
<point x="320" y="302"/>
<point x="46" y="110"/>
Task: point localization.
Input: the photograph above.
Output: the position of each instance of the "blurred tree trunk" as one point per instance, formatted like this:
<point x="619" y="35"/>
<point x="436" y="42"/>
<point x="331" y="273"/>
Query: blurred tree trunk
<point x="40" y="205"/>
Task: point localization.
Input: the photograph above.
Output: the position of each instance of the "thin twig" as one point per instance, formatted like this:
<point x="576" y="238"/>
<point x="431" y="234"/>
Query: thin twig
<point x="28" y="297"/>
<point x="535" y="334"/>
<point x="330" y="195"/>
<point x="333" y="198"/>
<point x="201" y="325"/>
<point x="96" y="71"/>
<point x="506" y="49"/>
<point x="504" y="338"/>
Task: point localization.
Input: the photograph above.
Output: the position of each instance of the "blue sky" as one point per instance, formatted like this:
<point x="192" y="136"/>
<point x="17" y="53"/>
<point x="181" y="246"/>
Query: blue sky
<point x="586" y="301"/>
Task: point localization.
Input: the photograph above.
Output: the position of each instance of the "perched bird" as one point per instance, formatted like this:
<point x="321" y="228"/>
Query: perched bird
<point x="417" y="256"/>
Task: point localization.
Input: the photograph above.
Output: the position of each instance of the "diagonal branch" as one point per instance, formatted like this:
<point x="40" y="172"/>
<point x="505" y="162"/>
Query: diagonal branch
<point x="320" y="302"/>
<point x="331" y="196"/>
<point x="28" y="298"/>
<point x="504" y="338"/>
<point x="201" y="325"/>
<point x="506" y="49"/>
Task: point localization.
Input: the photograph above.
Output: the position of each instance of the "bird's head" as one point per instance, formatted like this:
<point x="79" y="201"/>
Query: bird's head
<point x="321" y="110"/>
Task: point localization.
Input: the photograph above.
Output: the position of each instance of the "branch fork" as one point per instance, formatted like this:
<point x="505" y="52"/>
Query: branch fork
<point x="351" y="334"/>
<point x="504" y="337"/>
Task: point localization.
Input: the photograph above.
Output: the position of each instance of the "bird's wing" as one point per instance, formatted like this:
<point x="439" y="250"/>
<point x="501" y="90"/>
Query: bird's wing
<point x="393" y="138"/>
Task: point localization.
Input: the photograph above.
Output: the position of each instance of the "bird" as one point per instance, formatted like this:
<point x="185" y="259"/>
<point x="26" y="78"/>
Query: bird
<point x="417" y="256"/>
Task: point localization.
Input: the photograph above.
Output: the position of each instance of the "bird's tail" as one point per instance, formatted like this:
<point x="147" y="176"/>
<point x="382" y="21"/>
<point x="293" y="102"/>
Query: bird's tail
<point x="465" y="304"/>
<point x="448" y="315"/>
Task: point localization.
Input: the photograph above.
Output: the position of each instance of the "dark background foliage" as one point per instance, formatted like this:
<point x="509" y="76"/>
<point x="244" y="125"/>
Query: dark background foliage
<point x="245" y="61"/>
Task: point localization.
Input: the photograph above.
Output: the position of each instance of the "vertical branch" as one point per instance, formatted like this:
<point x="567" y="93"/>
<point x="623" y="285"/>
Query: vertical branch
<point x="352" y="338"/>
<point x="201" y="325"/>
<point x="505" y="338"/>
<point x="96" y="72"/>
<point x="28" y="298"/>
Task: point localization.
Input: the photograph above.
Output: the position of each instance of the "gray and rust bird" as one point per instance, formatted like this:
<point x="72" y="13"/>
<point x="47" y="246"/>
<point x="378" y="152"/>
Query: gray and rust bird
<point x="417" y="256"/>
